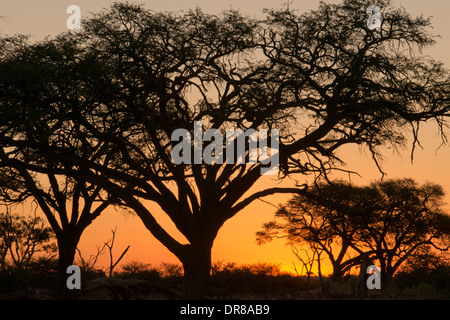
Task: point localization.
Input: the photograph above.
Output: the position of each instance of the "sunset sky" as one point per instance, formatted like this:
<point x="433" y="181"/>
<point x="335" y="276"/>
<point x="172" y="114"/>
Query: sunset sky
<point x="236" y="241"/>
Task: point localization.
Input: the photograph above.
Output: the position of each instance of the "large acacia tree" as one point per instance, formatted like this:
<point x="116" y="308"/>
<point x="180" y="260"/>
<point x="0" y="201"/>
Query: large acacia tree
<point x="322" y="78"/>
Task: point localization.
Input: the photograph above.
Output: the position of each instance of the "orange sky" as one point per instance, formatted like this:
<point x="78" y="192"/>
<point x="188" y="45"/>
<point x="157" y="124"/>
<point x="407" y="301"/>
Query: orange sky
<point x="236" y="240"/>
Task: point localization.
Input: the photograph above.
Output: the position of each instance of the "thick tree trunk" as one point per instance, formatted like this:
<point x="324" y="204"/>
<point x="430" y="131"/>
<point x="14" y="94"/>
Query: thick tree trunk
<point x="197" y="268"/>
<point x="386" y="279"/>
<point x="337" y="271"/>
<point x="66" y="250"/>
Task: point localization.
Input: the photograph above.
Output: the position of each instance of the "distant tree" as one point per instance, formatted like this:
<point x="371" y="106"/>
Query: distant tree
<point x="131" y="77"/>
<point x="327" y="218"/>
<point x="171" y="270"/>
<point x="89" y="264"/>
<point x="425" y="267"/>
<point x="407" y="217"/>
<point x="388" y="220"/>
<point x="134" y="267"/>
<point x="221" y="266"/>
<point x="309" y="262"/>
<point x="110" y="245"/>
<point x="22" y="239"/>
<point x="425" y="259"/>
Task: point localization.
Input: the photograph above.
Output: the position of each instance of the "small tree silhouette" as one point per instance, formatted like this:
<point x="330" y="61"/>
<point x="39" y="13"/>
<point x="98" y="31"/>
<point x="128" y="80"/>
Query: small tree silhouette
<point x="89" y="264"/>
<point x="309" y="262"/>
<point x="110" y="245"/>
<point x="22" y="238"/>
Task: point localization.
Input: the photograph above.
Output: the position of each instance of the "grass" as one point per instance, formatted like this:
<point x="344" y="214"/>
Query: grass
<point x="253" y="281"/>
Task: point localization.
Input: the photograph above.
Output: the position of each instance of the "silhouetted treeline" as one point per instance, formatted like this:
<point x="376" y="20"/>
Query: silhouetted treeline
<point x="227" y="281"/>
<point x="384" y="223"/>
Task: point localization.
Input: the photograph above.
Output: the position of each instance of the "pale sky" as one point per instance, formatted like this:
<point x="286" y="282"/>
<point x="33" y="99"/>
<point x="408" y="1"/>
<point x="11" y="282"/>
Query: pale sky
<point x="236" y="241"/>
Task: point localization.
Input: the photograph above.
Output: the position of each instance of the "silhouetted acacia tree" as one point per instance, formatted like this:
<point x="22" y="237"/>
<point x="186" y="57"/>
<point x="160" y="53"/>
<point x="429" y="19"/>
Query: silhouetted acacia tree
<point x="407" y="217"/>
<point x="322" y="78"/>
<point x="388" y="220"/>
<point x="330" y="218"/>
<point x="21" y="238"/>
<point x="69" y="203"/>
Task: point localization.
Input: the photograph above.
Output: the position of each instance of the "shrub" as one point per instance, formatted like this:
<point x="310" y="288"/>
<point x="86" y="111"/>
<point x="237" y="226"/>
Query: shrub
<point x="139" y="270"/>
<point x="260" y="280"/>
